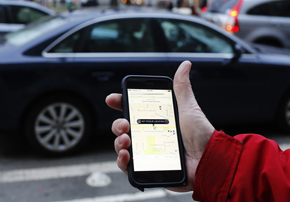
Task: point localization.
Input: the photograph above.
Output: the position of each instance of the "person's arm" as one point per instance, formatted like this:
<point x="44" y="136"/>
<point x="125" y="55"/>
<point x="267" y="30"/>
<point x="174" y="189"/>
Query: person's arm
<point x="246" y="167"/>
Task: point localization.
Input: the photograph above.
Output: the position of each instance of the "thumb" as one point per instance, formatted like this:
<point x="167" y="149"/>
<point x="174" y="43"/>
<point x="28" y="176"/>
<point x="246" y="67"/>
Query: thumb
<point x="182" y="88"/>
<point x="195" y="127"/>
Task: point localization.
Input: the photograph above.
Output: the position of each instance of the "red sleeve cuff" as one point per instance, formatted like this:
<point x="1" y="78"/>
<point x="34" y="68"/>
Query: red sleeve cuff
<point x="217" y="167"/>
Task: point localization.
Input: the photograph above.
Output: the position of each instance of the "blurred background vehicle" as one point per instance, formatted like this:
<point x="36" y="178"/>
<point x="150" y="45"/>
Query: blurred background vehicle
<point x="56" y="73"/>
<point x="86" y="3"/>
<point x="14" y="15"/>
<point x="257" y="21"/>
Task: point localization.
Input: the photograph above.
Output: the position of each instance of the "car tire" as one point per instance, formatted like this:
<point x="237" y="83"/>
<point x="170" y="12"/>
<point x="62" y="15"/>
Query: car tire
<point x="283" y="120"/>
<point x="58" y="125"/>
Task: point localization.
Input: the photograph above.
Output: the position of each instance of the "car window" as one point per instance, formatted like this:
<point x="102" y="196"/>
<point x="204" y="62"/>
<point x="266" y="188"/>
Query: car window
<point x="185" y="36"/>
<point x="277" y="8"/>
<point x="123" y="35"/>
<point x="221" y="6"/>
<point x="68" y="45"/>
<point x="34" y="30"/>
<point x="2" y="19"/>
<point x="25" y="15"/>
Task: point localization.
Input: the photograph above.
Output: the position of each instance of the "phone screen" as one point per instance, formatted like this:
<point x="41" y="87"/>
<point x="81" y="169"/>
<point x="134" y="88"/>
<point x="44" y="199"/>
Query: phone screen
<point x="153" y="130"/>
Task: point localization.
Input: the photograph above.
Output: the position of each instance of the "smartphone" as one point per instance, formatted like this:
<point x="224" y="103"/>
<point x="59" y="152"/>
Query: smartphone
<point x="156" y="151"/>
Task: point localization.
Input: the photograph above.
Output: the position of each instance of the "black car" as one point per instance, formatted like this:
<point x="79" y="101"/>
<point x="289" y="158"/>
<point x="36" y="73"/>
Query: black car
<point x="14" y="15"/>
<point x="56" y="74"/>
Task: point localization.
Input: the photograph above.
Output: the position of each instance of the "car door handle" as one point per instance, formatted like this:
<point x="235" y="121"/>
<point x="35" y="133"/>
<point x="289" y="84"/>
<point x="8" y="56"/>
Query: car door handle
<point x="102" y="76"/>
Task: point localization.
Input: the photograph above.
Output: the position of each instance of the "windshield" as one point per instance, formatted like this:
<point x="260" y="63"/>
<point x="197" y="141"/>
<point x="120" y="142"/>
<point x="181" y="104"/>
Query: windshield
<point x="221" y="6"/>
<point x="34" y="30"/>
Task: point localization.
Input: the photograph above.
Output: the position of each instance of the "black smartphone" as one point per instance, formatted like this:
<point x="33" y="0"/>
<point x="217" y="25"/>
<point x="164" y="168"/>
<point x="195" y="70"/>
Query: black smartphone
<point x="157" y="153"/>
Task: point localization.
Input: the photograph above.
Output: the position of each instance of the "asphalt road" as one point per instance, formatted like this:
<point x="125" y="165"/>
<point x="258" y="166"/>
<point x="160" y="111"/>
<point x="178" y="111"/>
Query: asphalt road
<point x="90" y="176"/>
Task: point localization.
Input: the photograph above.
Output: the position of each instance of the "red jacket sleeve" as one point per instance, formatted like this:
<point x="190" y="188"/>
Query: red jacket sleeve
<point x="244" y="168"/>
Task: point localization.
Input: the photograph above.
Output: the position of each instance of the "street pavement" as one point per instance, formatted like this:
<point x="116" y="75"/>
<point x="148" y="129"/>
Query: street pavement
<point x="89" y="176"/>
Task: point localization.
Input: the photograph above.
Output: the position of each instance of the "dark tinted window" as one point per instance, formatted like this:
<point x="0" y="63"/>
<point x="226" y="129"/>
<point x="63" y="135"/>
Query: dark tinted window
<point x="278" y="8"/>
<point x="69" y="45"/>
<point x="25" y="15"/>
<point x="221" y="6"/>
<point x="124" y="35"/>
<point x="2" y="19"/>
<point x="184" y="36"/>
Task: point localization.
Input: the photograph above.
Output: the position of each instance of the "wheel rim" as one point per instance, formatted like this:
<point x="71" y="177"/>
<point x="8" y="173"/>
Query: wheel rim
<point x="59" y="127"/>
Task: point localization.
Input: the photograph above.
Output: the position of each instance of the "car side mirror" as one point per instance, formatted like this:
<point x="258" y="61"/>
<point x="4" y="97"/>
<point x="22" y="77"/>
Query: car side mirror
<point x="238" y="51"/>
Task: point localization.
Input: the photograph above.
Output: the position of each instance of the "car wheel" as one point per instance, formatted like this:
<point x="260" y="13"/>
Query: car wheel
<point x="284" y="114"/>
<point x="58" y="125"/>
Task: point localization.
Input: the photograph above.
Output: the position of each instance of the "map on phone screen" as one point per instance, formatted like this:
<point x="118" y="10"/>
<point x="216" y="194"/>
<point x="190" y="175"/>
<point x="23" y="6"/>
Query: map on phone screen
<point x="153" y="130"/>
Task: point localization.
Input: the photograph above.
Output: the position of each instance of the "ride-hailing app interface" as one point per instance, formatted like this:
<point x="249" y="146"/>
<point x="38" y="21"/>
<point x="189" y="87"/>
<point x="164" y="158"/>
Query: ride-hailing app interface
<point x="153" y="130"/>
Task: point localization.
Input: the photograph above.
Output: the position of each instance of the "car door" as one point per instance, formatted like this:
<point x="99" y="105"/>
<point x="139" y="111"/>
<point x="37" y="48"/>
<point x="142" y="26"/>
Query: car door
<point x="281" y="20"/>
<point x="266" y="23"/>
<point x="226" y="88"/>
<point x="106" y="51"/>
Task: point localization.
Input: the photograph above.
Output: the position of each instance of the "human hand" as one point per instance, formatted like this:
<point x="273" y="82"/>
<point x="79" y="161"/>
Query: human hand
<point x="195" y="127"/>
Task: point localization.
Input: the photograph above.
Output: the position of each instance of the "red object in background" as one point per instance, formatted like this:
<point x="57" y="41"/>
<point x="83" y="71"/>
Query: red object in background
<point x="204" y="9"/>
<point x="234" y="12"/>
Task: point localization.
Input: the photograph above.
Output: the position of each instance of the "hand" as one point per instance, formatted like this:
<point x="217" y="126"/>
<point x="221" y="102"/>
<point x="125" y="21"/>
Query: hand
<point x="195" y="127"/>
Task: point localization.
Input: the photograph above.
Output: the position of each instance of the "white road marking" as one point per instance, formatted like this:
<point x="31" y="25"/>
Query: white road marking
<point x="159" y="193"/>
<point x="57" y="172"/>
<point x="172" y="193"/>
<point x="97" y="179"/>
<point x="35" y="174"/>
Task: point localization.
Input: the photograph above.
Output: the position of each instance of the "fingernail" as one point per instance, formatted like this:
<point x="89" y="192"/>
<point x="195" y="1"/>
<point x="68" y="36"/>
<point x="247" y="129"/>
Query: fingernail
<point x="187" y="65"/>
<point x="119" y="126"/>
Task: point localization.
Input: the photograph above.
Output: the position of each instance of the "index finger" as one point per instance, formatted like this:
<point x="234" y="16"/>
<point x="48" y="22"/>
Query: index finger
<point x="114" y="101"/>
